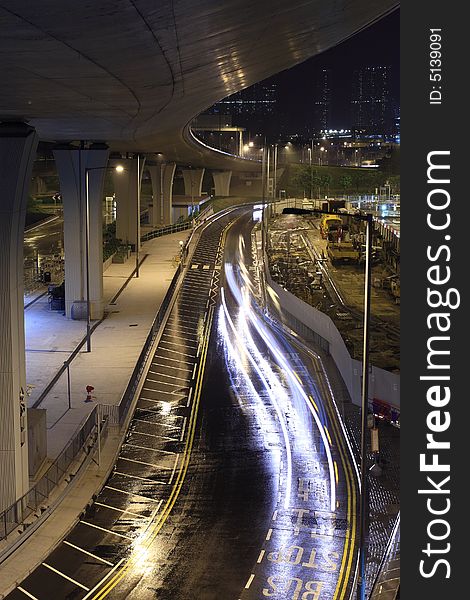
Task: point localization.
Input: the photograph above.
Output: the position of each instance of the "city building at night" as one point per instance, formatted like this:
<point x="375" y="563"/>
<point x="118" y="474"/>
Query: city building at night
<point x="370" y="102"/>
<point x="322" y="100"/>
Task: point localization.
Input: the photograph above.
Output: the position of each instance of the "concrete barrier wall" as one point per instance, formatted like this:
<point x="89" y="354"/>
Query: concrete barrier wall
<point x="37" y="439"/>
<point x="382" y="384"/>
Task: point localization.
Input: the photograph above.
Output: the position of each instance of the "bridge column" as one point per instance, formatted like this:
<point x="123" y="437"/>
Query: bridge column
<point x="127" y="189"/>
<point x="72" y="164"/>
<point x="156" y="208"/>
<point x="38" y="186"/>
<point x="18" y="143"/>
<point x="222" y="182"/>
<point x="193" y="182"/>
<point x="162" y="190"/>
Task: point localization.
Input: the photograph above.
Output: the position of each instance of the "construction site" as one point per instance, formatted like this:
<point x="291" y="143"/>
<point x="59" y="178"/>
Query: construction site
<point x="320" y="259"/>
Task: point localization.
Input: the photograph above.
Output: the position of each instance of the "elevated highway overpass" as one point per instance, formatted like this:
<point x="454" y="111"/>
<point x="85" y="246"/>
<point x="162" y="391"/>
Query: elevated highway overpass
<point x="124" y="76"/>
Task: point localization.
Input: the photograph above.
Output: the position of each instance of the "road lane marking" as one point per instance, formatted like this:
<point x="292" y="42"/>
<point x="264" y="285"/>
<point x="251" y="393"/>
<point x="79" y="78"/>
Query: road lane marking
<point x="140" y="478"/>
<point x="183" y="344"/>
<point x="141" y="462"/>
<point x="179" y="336"/>
<point x="154" y="435"/>
<point x="126" y="537"/>
<point x="183" y="428"/>
<point x="131" y="494"/>
<point x="175" y="385"/>
<point x="166" y="367"/>
<point x="180" y="362"/>
<point x="174" y="468"/>
<point x="176" y="352"/>
<point x="178" y="325"/>
<point x="314" y="403"/>
<point x="121" y="510"/>
<point x="188" y="402"/>
<point x="77" y="583"/>
<point x="126" y="444"/>
<point x="151" y="422"/>
<point x="101" y="581"/>
<point x="248" y="583"/>
<point x="174" y="393"/>
<point x="89" y="553"/>
<point x="185" y="379"/>
<point x="269" y="534"/>
<point x="260" y="557"/>
<point x="27" y="593"/>
<point x="328" y="435"/>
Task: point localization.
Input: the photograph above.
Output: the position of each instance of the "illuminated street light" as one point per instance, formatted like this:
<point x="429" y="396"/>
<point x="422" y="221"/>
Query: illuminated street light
<point x="118" y="169"/>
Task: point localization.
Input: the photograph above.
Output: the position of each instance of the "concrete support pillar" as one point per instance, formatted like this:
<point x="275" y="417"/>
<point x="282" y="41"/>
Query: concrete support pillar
<point x="18" y="143"/>
<point x="156" y="208"/>
<point x="162" y="189"/>
<point x="222" y="182"/>
<point x="72" y="165"/>
<point x="193" y="182"/>
<point x="38" y="186"/>
<point x="127" y="189"/>
<point x="168" y="176"/>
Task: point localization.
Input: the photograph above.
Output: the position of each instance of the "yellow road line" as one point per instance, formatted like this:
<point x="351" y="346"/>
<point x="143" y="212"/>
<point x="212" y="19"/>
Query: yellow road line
<point x="314" y="403"/>
<point x="328" y="435"/>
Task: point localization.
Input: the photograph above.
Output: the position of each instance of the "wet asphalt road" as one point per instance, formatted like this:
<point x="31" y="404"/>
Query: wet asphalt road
<point x="227" y="486"/>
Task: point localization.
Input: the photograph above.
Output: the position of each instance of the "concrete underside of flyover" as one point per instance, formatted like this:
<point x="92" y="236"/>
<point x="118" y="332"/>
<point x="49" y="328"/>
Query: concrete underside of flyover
<point x="134" y="74"/>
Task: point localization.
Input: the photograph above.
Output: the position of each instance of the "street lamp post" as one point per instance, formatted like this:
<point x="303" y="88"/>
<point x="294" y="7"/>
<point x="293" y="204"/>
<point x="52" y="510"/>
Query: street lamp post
<point x="310" y="152"/>
<point x="137" y="224"/>
<point x="275" y="172"/>
<point x="119" y="169"/>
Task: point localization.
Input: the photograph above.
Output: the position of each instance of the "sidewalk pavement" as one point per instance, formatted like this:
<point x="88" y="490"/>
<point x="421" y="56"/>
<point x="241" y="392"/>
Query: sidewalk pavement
<point x="115" y="346"/>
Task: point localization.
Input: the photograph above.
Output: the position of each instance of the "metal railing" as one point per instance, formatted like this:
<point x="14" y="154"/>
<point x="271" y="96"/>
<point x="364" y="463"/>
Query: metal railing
<point x="15" y="515"/>
<point x="118" y="418"/>
<point x="167" y="229"/>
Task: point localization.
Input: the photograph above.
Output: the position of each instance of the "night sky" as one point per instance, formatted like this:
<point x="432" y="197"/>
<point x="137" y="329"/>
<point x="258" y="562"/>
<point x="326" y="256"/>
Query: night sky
<point x="378" y="45"/>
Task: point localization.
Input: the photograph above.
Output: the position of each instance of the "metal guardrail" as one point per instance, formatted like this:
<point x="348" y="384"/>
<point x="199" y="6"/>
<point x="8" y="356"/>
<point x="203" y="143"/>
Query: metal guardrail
<point x="15" y="515"/>
<point x="117" y="415"/>
<point x="167" y="229"/>
<point x="387" y="583"/>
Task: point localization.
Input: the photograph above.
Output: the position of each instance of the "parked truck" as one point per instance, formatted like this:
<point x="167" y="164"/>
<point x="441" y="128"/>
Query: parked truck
<point x="343" y="252"/>
<point x="329" y="223"/>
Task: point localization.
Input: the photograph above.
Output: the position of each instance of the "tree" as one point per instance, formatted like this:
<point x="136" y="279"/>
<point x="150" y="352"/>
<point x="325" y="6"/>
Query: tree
<point x="323" y="181"/>
<point x="345" y="182"/>
<point x="304" y="179"/>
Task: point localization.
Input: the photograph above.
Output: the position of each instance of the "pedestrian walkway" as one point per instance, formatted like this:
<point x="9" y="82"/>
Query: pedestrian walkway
<point x="115" y="343"/>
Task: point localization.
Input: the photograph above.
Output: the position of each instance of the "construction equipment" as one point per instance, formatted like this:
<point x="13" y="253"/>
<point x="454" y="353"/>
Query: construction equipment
<point x="342" y="252"/>
<point x="329" y="223"/>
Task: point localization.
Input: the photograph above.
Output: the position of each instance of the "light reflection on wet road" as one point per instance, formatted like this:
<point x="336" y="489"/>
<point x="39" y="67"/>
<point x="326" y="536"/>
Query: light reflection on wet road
<point x="232" y="481"/>
<point x="307" y="551"/>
